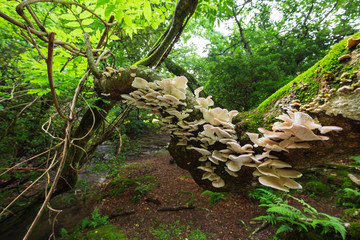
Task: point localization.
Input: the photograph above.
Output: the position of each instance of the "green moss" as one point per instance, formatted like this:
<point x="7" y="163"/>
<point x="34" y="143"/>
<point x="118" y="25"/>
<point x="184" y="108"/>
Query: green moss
<point x="318" y="188"/>
<point x="306" y="86"/>
<point x="105" y="232"/>
<point x="342" y="173"/>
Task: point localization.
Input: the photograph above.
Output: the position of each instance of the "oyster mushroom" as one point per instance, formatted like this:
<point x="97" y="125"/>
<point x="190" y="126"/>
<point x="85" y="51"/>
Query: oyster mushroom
<point x="352" y="42"/>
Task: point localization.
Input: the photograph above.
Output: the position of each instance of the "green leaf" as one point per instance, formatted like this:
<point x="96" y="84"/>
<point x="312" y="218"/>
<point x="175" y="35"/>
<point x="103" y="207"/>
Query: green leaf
<point x="88" y="30"/>
<point x="127" y="20"/>
<point x="114" y="37"/>
<point x="119" y="14"/>
<point x="87" y="21"/>
<point x="85" y="14"/>
<point x="72" y="24"/>
<point x="284" y="228"/>
<point x="68" y="16"/>
<point x="76" y="32"/>
<point x="108" y="10"/>
<point x="101" y="2"/>
<point x="147" y="11"/>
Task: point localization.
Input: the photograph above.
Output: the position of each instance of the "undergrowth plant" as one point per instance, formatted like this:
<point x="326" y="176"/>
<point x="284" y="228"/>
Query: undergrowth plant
<point x="94" y="221"/>
<point x="176" y="231"/>
<point x="290" y="220"/>
<point x="142" y="189"/>
<point x="215" y="197"/>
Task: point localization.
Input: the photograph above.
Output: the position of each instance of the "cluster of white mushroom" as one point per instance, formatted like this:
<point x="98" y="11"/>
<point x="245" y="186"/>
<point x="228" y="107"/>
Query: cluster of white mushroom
<point x="166" y="97"/>
<point x="295" y="130"/>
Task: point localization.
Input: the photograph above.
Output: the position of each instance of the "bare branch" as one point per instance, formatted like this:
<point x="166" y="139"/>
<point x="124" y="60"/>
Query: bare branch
<point x="242" y="36"/>
<point x="49" y="61"/>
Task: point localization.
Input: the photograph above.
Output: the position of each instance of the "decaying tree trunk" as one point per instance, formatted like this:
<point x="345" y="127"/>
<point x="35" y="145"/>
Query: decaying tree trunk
<point x="329" y="92"/>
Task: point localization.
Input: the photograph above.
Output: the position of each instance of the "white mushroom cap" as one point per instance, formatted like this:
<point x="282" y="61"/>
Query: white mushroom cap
<point x="197" y="91"/>
<point x="213" y="160"/>
<point x="231" y="173"/>
<point x="227" y="151"/>
<point x="208" y="131"/>
<point x="291" y="183"/>
<point x="272" y="182"/>
<point x="204" y="102"/>
<point x="207" y="167"/>
<point x="227" y="140"/>
<point x="180" y="82"/>
<point x="266" y="154"/>
<point x="327" y="129"/>
<point x="304" y="133"/>
<point x="202" y="151"/>
<point x="225" y="124"/>
<point x="236" y="162"/>
<point x="218" y="156"/>
<point x="274" y="135"/>
<point x="178" y="94"/>
<point x="140" y="83"/>
<point x="153" y="85"/>
<point x="182" y="142"/>
<point x="203" y="158"/>
<point x="206" y="175"/>
<point x="267" y="171"/>
<point x="305" y="119"/>
<point x="221" y="133"/>
<point x="219" y="183"/>
<point x="288" y="173"/>
<point x="247" y="148"/>
<point x="278" y="164"/>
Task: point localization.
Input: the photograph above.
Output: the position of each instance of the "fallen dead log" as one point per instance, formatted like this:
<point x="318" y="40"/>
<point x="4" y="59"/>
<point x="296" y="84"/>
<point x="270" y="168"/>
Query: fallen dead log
<point x="166" y="209"/>
<point x="125" y="213"/>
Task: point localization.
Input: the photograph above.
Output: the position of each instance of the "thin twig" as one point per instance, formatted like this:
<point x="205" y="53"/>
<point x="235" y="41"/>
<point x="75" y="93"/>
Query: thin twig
<point x="33" y="42"/>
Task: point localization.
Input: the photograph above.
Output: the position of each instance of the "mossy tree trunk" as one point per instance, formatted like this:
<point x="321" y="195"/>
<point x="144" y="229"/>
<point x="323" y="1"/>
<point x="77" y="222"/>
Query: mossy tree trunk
<point x="329" y="92"/>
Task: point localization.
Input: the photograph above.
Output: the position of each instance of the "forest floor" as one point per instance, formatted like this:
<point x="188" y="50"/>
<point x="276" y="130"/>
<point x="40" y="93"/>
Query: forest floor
<point x="149" y="197"/>
<point x="145" y="199"/>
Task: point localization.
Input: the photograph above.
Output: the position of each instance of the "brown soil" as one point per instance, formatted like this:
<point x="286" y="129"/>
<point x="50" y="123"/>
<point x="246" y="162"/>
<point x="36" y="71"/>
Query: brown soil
<point x="230" y="219"/>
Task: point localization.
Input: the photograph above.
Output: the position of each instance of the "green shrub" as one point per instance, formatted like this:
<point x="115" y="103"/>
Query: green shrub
<point x="96" y="220"/>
